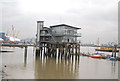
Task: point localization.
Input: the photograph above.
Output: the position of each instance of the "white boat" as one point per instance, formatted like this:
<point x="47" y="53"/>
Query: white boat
<point x="96" y="55"/>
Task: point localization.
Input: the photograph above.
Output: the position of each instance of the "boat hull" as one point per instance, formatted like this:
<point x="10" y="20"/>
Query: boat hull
<point x="106" y="50"/>
<point x="96" y="56"/>
<point x="114" y="59"/>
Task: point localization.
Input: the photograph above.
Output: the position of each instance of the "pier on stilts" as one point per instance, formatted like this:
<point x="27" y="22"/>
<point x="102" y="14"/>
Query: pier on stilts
<point x="59" y="50"/>
<point x="50" y="43"/>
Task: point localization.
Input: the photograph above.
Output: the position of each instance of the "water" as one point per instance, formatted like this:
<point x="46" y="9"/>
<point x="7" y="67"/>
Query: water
<point x="0" y="65"/>
<point x="15" y="66"/>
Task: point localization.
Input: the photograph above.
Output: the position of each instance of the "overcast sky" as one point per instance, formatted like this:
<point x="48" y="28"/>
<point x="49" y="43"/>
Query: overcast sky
<point x="97" y="18"/>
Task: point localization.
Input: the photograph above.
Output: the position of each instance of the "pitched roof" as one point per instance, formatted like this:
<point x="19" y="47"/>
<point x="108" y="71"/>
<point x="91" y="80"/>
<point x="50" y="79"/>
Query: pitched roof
<point x="64" y="25"/>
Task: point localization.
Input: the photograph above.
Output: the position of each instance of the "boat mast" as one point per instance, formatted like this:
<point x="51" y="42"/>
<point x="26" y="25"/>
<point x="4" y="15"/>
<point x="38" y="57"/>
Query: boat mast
<point x="98" y="41"/>
<point x="98" y="44"/>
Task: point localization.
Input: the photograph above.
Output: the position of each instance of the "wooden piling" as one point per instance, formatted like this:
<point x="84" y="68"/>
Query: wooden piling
<point x="59" y="50"/>
<point x="115" y="47"/>
<point x="26" y="51"/>
<point x="25" y="56"/>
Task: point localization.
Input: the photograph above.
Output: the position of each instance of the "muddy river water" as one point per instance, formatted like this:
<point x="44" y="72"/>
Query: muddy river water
<point x="15" y="66"/>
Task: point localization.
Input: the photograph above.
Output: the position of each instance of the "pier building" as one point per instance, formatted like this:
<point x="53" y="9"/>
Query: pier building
<point x="60" y="33"/>
<point x="57" y="40"/>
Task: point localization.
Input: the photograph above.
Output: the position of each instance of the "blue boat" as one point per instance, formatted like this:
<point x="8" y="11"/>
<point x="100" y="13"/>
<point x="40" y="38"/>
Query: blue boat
<point x="114" y="59"/>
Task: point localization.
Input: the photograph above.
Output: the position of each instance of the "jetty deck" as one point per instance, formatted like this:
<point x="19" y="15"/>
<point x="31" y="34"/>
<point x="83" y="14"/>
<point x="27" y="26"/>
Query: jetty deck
<point x="17" y="45"/>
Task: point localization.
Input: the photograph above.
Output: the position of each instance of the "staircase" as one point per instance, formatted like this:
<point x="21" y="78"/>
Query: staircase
<point x="52" y="35"/>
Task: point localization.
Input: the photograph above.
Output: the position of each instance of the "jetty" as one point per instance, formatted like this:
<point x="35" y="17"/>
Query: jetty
<point x="16" y="45"/>
<point x="57" y="41"/>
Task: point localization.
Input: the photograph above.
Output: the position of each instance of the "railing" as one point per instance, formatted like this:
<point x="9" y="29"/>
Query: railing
<point x="67" y="34"/>
<point x="45" y="34"/>
<point x="62" y="34"/>
<point x="61" y="41"/>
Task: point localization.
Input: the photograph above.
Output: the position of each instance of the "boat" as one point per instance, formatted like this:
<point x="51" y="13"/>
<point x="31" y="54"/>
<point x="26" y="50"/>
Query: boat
<point x="96" y="55"/>
<point x="106" y="49"/>
<point x="6" y="49"/>
<point x="112" y="58"/>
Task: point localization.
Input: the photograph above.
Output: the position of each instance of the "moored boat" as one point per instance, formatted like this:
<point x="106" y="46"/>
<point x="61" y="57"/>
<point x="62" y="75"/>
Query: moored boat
<point x="112" y="58"/>
<point x="106" y="49"/>
<point x="96" y="55"/>
<point x="6" y="49"/>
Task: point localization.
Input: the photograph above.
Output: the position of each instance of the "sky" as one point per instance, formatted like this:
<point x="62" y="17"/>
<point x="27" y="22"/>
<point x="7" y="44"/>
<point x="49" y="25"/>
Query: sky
<point x="96" y="18"/>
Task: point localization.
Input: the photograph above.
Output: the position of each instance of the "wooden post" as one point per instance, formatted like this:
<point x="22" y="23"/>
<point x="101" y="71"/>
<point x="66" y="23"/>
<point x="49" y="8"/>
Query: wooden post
<point x="76" y="52"/>
<point x="26" y="51"/>
<point x="115" y="50"/>
<point x="37" y="51"/>
<point x="66" y="50"/>
<point x="112" y="52"/>
<point x="49" y="50"/>
<point x="62" y="51"/>
<point x="25" y="56"/>
<point x="69" y="54"/>
<point x="55" y="51"/>
<point x="58" y="51"/>
<point x="72" y="51"/>
<point x="41" y="51"/>
<point x="44" y="49"/>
